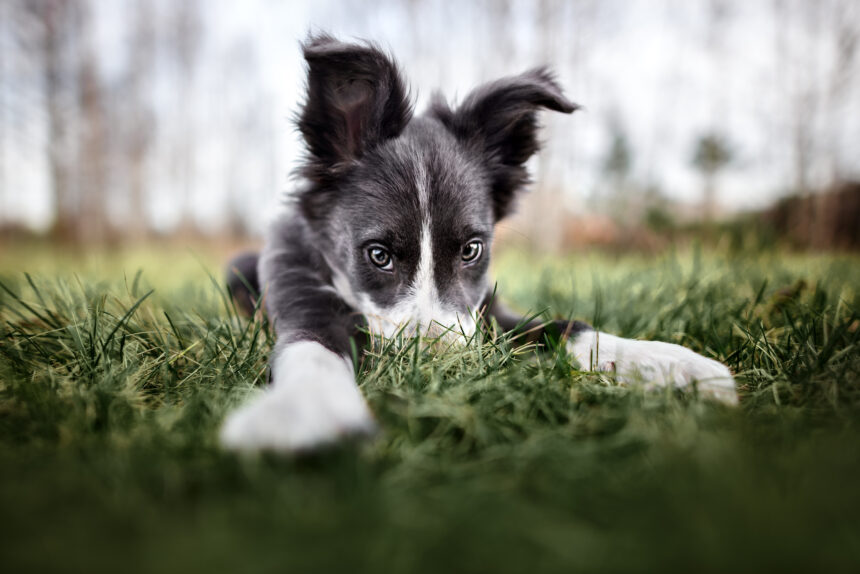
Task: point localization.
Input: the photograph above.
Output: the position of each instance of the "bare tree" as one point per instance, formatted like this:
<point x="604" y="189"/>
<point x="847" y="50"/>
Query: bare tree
<point x="57" y="22"/>
<point x="719" y="14"/>
<point x="5" y="47"/>
<point x="243" y="131"/>
<point x="806" y="101"/>
<point x="185" y="38"/>
<point x="710" y="156"/>
<point x="546" y="217"/>
<point x="92" y="156"/>
<point x="6" y="43"/>
<point x="619" y="157"/>
<point x="501" y="36"/>
<point x="824" y="38"/>
<point x="617" y="164"/>
<point x="139" y="115"/>
<point x="845" y="22"/>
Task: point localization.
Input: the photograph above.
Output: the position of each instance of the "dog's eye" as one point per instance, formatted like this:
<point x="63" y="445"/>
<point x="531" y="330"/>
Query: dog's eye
<point x="472" y="251"/>
<point x="380" y="257"/>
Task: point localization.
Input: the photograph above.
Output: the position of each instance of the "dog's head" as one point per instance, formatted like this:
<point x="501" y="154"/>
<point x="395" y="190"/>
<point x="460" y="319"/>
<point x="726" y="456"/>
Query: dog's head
<point x="403" y="207"/>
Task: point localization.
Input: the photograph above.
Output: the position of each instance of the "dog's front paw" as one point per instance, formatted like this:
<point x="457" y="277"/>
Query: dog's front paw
<point x="314" y="401"/>
<point x="298" y="421"/>
<point x="655" y="363"/>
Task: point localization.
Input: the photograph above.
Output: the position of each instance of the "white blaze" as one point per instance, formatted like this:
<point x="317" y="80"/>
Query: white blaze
<point x="426" y="296"/>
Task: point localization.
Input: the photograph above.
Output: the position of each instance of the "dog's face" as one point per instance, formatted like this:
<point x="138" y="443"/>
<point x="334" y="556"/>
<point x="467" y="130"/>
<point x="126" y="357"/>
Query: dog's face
<point x="411" y="231"/>
<point x="403" y="208"/>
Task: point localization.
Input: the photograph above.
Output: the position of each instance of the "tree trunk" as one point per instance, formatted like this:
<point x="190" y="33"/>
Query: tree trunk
<point x="140" y="133"/>
<point x="54" y="16"/>
<point x="92" y="222"/>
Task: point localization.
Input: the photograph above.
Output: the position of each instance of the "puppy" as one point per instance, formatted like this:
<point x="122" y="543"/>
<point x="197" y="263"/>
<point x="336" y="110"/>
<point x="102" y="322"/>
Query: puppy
<point x="391" y="233"/>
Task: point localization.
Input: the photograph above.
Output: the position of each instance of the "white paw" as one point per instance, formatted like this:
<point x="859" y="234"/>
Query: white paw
<point x="314" y="401"/>
<point x="653" y="362"/>
<point x="296" y="421"/>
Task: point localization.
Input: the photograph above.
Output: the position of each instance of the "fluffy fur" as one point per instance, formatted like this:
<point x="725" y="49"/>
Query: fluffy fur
<point x="653" y="363"/>
<point x="313" y="401"/>
<point x="391" y="231"/>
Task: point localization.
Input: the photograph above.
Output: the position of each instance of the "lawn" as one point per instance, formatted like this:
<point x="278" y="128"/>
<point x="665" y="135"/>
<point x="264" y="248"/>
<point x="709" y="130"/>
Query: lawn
<point x="116" y="371"/>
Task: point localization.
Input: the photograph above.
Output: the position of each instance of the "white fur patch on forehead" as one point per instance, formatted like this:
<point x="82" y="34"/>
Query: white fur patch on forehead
<point x="424" y="284"/>
<point x="422" y="184"/>
<point x="427" y="306"/>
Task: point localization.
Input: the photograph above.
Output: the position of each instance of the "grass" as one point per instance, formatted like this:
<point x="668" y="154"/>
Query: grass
<point x="113" y="384"/>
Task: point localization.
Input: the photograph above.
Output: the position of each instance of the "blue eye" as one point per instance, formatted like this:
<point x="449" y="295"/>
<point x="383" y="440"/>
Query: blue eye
<point x="380" y="257"/>
<point x="472" y="251"/>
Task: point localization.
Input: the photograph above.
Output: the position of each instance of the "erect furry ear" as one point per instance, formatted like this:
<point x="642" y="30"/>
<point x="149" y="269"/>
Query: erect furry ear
<point x="355" y="99"/>
<point x="499" y="119"/>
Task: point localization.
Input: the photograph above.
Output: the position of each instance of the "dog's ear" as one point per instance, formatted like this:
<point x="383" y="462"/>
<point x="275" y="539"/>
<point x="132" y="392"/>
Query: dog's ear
<point x="356" y="99"/>
<point x="499" y="121"/>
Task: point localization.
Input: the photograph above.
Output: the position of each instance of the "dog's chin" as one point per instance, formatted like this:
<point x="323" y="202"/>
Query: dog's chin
<point x="457" y="329"/>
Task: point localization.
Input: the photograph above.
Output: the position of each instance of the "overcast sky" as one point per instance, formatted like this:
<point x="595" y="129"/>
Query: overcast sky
<point x="661" y="69"/>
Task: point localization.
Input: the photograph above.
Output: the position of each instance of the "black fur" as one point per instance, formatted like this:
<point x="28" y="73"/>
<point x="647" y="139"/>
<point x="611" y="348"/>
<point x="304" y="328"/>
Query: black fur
<point x="355" y="100"/>
<point x="499" y="121"/>
<point x="297" y="300"/>
<point x="243" y="282"/>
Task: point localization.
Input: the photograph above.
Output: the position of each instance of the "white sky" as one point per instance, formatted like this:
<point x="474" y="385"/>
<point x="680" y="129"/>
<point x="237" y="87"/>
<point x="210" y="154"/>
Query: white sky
<point x="644" y="62"/>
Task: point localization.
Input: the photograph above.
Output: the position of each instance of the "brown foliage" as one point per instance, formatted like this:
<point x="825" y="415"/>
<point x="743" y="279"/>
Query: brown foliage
<point x="829" y="219"/>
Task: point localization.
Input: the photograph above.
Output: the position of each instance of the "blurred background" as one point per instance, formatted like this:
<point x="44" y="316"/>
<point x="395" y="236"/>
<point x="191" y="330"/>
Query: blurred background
<point x="133" y="121"/>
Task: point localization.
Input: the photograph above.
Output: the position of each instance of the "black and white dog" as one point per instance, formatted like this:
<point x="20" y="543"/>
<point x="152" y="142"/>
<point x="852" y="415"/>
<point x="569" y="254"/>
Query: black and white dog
<point x="392" y="231"/>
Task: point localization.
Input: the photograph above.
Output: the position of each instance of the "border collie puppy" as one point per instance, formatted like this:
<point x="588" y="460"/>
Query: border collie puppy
<point x="391" y="231"/>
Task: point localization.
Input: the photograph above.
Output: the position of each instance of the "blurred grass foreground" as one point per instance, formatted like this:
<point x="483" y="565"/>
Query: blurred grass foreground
<point x="113" y="382"/>
<point x="128" y="128"/>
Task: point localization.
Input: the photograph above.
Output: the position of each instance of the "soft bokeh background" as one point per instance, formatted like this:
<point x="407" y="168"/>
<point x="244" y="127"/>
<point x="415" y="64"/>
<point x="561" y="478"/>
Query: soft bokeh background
<point x="143" y="141"/>
<point x="125" y="120"/>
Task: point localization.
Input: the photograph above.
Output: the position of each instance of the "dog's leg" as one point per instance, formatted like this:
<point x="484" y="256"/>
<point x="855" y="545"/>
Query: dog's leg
<point x="652" y="363"/>
<point x="313" y="398"/>
<point x="632" y="361"/>
<point x="533" y="331"/>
